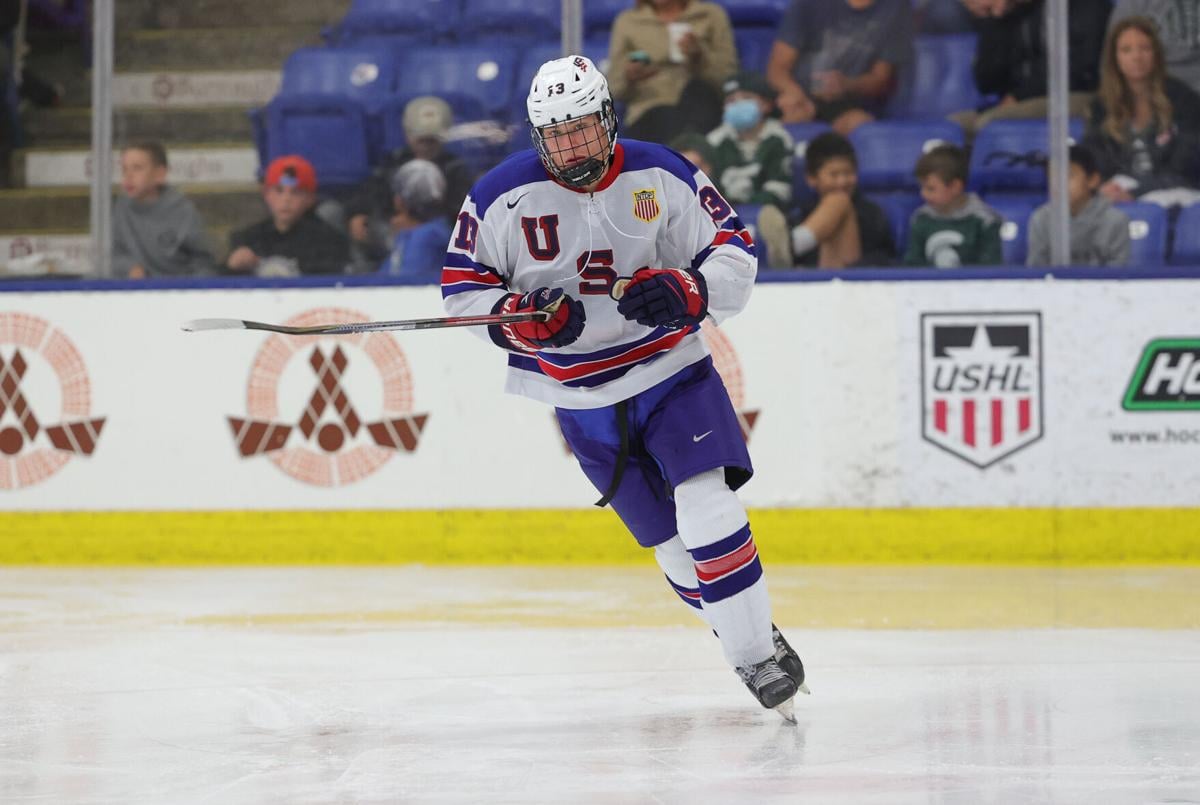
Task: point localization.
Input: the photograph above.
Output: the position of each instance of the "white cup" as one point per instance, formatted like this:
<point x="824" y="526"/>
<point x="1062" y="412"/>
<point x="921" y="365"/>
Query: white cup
<point x="675" y="32"/>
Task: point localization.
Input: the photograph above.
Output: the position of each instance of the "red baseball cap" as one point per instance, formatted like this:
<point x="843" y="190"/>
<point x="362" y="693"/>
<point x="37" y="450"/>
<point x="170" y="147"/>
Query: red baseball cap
<point x="292" y="171"/>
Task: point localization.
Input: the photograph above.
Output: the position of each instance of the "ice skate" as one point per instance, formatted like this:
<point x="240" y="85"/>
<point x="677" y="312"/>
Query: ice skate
<point x="788" y="659"/>
<point x="773" y="688"/>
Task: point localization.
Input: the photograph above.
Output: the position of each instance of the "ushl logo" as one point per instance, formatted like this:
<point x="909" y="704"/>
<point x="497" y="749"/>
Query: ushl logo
<point x="981" y="383"/>
<point x="42" y="379"/>
<point x="328" y="411"/>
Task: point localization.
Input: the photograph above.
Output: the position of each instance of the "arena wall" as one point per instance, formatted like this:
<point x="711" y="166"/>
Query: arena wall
<point x="1021" y="419"/>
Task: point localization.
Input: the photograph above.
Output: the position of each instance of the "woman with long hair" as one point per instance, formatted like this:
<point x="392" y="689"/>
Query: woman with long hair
<point x="1145" y="125"/>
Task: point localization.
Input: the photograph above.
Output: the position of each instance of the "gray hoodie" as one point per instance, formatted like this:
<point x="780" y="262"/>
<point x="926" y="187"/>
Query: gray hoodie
<point x="1099" y="235"/>
<point x="165" y="236"/>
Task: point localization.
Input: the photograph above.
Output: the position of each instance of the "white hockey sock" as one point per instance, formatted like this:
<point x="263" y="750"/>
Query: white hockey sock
<point x="714" y="529"/>
<point x="680" y="570"/>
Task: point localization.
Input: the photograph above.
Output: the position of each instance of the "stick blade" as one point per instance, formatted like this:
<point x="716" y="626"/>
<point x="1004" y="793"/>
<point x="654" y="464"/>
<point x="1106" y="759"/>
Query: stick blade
<point x="197" y="325"/>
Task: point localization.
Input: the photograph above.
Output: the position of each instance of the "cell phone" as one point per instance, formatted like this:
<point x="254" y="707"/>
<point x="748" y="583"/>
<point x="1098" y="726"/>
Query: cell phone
<point x="640" y="56"/>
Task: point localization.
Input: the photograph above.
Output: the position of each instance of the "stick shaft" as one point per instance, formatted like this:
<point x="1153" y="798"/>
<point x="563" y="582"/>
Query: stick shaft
<point x="349" y="328"/>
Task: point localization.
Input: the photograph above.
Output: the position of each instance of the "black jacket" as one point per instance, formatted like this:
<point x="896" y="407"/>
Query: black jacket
<point x="1010" y="58"/>
<point x="315" y="246"/>
<point x="1157" y="160"/>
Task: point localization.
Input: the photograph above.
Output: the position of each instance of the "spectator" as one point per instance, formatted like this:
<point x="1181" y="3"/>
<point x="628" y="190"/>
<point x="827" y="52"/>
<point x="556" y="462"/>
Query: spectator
<point x="696" y="150"/>
<point x="954" y="228"/>
<point x="837" y="60"/>
<point x="668" y="59"/>
<point x="420" y="226"/>
<point x="292" y="239"/>
<point x="1099" y="231"/>
<point x="18" y="84"/>
<point x="426" y="123"/>
<point x="1145" y="125"/>
<point x="1010" y="58"/>
<point x="753" y="152"/>
<point x="156" y="230"/>
<point x="841" y="227"/>
<point x="1178" y="28"/>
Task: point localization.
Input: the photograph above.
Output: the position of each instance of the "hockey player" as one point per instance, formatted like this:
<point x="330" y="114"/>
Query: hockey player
<point x="630" y="248"/>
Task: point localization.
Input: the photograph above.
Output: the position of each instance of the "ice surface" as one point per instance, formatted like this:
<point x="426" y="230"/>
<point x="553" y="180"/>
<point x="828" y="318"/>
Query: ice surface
<point x="365" y="685"/>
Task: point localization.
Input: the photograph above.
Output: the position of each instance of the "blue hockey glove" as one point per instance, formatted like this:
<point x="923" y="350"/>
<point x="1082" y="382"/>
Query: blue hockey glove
<point x="670" y="297"/>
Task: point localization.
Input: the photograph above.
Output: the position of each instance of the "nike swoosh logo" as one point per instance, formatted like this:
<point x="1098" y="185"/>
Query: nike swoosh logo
<point x="701" y="436"/>
<point x="512" y="204"/>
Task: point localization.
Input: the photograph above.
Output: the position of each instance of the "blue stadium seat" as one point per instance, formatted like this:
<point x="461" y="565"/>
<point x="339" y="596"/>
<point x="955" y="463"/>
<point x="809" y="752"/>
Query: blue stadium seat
<point x="511" y="21"/>
<point x="942" y="16"/>
<point x="478" y="81"/>
<point x="755" y="12"/>
<point x="899" y="208"/>
<point x="754" y="47"/>
<point x="361" y="73"/>
<point x="939" y="81"/>
<point x="1016" y="208"/>
<point x="1186" y="251"/>
<point x="327" y="110"/>
<point x="598" y="15"/>
<point x="407" y="19"/>
<point x="888" y="150"/>
<point x="1011" y="155"/>
<point x="1147" y="233"/>
<point x="801" y="134"/>
<point x="329" y="131"/>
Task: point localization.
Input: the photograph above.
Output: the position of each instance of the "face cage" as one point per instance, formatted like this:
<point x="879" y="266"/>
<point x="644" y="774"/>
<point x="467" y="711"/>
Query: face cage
<point x="589" y="170"/>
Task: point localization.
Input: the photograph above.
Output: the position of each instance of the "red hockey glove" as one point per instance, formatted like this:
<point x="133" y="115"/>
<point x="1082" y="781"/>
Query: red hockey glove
<point x="530" y="336"/>
<point x="671" y="297"/>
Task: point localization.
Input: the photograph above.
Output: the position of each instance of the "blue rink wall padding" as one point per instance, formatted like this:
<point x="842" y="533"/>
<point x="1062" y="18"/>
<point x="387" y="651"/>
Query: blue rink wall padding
<point x="765" y="276"/>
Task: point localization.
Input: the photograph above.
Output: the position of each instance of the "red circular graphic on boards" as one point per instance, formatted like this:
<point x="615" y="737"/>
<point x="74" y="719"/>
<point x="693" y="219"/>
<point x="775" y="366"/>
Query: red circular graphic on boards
<point x="28" y="462"/>
<point x="333" y="464"/>
<point x="331" y="437"/>
<point x="11" y="441"/>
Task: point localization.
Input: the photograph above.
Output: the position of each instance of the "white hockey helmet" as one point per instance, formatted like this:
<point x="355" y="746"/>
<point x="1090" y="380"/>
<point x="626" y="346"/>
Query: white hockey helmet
<point x="566" y="89"/>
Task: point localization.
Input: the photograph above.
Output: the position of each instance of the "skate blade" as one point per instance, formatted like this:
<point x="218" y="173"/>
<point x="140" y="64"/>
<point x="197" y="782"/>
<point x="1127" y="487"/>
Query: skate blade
<point x="804" y="689"/>
<point x="787" y="710"/>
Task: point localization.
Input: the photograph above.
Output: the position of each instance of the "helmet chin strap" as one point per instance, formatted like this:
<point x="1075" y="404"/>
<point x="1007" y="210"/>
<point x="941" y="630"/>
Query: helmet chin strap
<point x="584" y="173"/>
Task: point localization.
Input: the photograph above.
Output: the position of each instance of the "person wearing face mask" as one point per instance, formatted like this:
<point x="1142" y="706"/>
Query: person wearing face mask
<point x="752" y="151"/>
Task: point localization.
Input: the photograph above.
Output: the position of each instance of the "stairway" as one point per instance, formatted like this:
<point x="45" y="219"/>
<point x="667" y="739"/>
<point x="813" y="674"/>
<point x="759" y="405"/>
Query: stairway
<point x="186" y="73"/>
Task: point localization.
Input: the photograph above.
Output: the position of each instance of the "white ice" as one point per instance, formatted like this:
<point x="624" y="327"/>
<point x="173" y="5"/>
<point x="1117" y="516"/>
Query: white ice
<point x="413" y="685"/>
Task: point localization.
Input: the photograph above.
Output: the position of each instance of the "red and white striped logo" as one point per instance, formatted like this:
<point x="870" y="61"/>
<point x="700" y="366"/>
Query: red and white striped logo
<point x="981" y="383"/>
<point x="645" y="205"/>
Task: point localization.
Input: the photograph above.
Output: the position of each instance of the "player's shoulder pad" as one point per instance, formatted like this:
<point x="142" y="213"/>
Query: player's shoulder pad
<point x="641" y="155"/>
<point x="521" y="168"/>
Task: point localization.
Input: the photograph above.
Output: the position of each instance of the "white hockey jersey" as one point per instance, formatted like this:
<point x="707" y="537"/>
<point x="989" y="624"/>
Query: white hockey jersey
<point x="519" y="230"/>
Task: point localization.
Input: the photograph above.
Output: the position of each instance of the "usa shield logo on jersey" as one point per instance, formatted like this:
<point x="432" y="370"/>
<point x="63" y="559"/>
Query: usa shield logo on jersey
<point x="981" y="383"/>
<point x="645" y="205"/>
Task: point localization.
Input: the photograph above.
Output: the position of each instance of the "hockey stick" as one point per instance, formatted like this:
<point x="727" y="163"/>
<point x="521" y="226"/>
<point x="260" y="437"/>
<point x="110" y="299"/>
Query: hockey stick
<point x="197" y="325"/>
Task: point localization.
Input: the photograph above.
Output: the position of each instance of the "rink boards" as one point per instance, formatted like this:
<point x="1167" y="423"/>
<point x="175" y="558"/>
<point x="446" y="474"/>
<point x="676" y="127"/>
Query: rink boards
<point x="1029" y="420"/>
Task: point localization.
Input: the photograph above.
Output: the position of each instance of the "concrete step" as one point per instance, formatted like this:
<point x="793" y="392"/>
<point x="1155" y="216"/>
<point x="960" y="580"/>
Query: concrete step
<point x="211" y="48"/>
<point x="67" y="209"/>
<point x="131" y="14"/>
<point x="190" y="165"/>
<point x="73" y="125"/>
